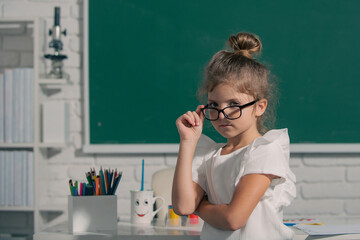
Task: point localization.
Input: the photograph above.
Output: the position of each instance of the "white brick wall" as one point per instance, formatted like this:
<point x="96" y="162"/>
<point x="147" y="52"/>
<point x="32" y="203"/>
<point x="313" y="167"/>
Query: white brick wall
<point x="328" y="185"/>
<point x="353" y="174"/>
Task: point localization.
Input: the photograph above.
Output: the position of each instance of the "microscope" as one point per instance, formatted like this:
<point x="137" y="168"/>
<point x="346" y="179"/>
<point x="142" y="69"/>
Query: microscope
<point x="56" y="58"/>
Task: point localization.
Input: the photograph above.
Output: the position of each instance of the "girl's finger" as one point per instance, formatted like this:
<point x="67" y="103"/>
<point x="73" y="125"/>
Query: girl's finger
<point x="199" y="112"/>
<point x="196" y="118"/>
<point x="189" y="117"/>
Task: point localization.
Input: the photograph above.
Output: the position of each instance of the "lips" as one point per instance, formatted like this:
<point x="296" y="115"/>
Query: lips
<point x="141" y="214"/>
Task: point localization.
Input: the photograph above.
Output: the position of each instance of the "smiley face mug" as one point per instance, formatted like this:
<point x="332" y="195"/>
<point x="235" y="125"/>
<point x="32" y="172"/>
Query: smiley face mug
<point x="142" y="206"/>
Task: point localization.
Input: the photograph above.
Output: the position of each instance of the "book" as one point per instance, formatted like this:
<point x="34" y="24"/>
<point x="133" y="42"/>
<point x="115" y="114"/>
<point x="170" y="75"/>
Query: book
<point x="29" y="108"/>
<point x="15" y="105"/>
<point x="21" y="94"/>
<point x="295" y="221"/>
<point x="8" y="78"/>
<point x="24" y="177"/>
<point x="2" y="178"/>
<point x="17" y="108"/>
<point x="322" y="230"/>
<point x="2" y="108"/>
<point x="17" y="178"/>
<point x="30" y="179"/>
<point x="9" y="173"/>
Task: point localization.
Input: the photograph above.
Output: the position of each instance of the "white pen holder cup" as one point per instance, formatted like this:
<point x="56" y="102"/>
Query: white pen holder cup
<point x="92" y="213"/>
<point x="142" y="206"/>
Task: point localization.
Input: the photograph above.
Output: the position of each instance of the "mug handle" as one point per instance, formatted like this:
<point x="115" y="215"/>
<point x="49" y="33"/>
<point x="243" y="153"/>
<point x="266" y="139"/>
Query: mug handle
<point x="162" y="205"/>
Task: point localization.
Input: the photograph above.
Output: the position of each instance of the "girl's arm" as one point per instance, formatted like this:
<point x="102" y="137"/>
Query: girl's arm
<point x="186" y="194"/>
<point x="234" y="215"/>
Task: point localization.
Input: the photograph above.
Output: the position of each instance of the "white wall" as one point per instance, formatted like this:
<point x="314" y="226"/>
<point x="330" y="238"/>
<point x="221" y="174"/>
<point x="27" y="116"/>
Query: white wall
<point x="328" y="184"/>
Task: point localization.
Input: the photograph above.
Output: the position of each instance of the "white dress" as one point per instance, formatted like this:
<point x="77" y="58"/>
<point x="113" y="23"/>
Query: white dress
<point x="219" y="174"/>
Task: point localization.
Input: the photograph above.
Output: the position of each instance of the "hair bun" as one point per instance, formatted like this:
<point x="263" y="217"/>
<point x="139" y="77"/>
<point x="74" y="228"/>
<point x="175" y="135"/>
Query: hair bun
<point x="245" y="44"/>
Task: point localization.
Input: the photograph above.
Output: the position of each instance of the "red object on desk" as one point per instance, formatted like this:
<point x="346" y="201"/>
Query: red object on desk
<point x="193" y="219"/>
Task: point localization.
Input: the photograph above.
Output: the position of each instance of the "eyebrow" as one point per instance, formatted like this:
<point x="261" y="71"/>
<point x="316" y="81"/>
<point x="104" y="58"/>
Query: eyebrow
<point x="227" y="101"/>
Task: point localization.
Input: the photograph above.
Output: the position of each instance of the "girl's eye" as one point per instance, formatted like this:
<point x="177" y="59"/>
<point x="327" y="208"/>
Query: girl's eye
<point x="212" y="104"/>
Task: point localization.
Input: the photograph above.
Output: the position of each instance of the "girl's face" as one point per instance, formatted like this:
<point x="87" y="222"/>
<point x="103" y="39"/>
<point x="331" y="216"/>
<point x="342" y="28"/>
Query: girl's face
<point x="225" y="95"/>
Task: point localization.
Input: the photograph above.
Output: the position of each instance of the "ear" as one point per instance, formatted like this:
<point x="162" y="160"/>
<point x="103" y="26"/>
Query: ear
<point x="260" y="107"/>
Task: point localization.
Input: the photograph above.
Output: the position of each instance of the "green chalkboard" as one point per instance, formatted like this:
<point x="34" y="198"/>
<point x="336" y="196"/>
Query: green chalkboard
<point x="146" y="61"/>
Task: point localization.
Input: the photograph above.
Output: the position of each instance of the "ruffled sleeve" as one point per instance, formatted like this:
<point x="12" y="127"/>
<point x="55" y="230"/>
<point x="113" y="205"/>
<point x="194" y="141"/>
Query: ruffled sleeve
<point x="270" y="154"/>
<point x="203" y="148"/>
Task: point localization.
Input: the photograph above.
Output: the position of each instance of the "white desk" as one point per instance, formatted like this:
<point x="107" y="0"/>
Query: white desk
<point x="127" y="231"/>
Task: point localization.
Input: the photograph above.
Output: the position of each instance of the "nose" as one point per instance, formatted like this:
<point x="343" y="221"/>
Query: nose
<point x="221" y="115"/>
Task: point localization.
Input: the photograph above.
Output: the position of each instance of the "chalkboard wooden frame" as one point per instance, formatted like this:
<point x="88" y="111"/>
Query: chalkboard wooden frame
<point x="173" y="147"/>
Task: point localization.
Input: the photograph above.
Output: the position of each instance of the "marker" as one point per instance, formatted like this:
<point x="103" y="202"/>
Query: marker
<point x="71" y="188"/>
<point x="88" y="177"/>
<point x="81" y="189"/>
<point x="84" y="189"/>
<point x="76" y="188"/>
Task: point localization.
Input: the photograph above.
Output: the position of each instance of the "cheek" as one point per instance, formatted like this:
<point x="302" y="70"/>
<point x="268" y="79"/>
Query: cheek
<point x="249" y="114"/>
<point x="214" y="124"/>
<point x="245" y="120"/>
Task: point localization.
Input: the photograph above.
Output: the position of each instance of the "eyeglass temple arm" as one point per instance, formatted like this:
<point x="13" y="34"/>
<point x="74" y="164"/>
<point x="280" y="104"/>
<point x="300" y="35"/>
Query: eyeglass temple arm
<point x="248" y="104"/>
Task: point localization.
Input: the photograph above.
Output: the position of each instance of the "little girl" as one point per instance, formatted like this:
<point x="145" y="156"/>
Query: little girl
<point x="239" y="188"/>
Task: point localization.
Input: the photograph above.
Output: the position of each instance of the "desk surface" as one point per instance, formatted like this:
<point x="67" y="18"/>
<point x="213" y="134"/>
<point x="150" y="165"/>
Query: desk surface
<point x="125" y="230"/>
<point x="160" y="231"/>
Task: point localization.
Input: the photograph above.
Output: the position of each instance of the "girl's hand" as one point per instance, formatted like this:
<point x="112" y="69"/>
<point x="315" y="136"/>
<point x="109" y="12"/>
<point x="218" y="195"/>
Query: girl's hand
<point x="190" y="125"/>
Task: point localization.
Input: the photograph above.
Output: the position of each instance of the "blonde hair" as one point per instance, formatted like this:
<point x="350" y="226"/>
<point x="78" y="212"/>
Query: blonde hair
<point x="239" y="69"/>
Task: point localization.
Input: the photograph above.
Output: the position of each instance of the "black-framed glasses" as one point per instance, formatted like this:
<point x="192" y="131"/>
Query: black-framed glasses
<point x="231" y="112"/>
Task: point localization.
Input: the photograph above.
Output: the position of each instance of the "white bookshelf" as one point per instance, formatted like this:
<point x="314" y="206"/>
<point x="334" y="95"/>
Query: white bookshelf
<point x="41" y="215"/>
<point x="16" y="145"/>
<point x="16" y="209"/>
<point x="46" y="81"/>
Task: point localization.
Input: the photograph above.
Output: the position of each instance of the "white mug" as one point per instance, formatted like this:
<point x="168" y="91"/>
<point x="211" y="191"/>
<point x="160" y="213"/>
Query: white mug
<point x="142" y="206"/>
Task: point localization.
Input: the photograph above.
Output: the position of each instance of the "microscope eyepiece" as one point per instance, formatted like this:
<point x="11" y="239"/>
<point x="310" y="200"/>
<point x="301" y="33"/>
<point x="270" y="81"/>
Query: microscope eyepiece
<point x="57" y="16"/>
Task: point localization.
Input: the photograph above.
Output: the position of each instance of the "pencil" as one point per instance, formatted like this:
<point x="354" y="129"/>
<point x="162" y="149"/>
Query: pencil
<point x="111" y="177"/>
<point x="95" y="183"/>
<point x="97" y="186"/>
<point x="102" y="181"/>
<point x="106" y="182"/>
<point x="117" y="183"/>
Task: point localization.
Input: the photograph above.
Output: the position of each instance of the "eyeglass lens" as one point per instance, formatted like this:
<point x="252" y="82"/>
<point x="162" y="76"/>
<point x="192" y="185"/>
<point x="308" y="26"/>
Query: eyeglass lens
<point x="230" y="113"/>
